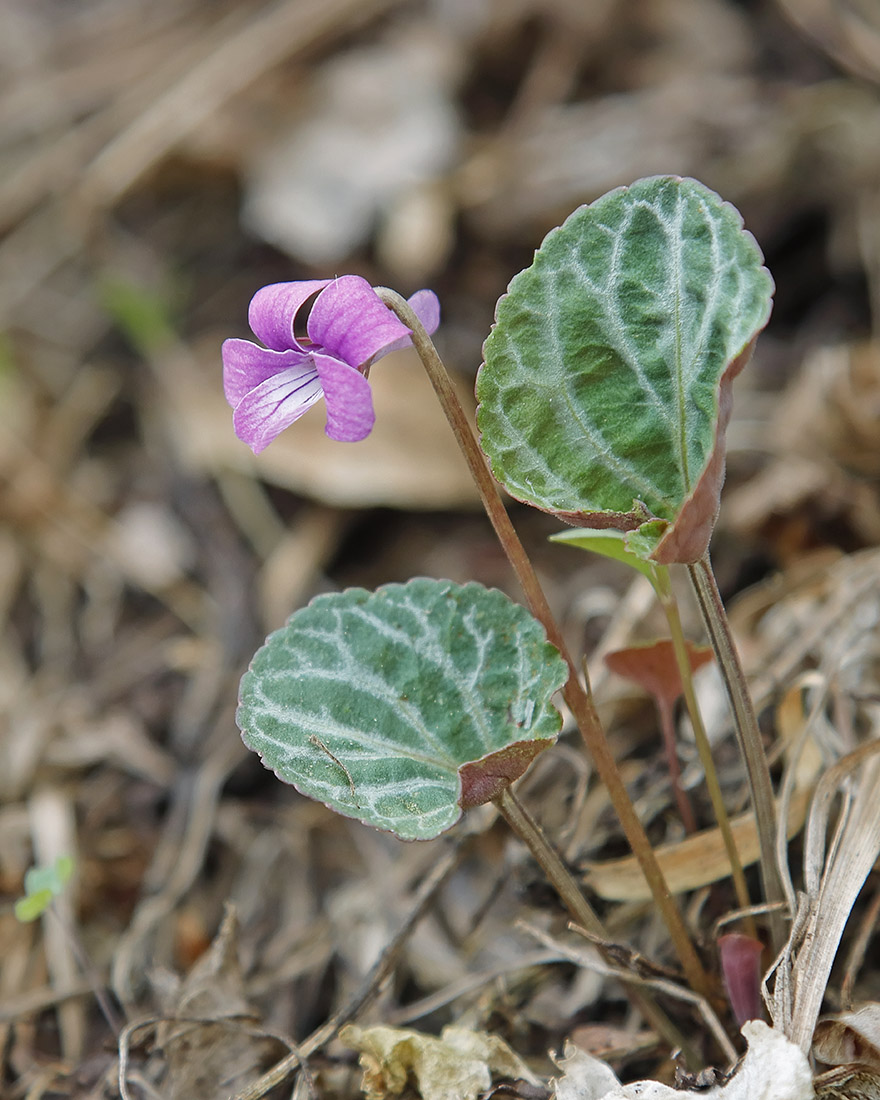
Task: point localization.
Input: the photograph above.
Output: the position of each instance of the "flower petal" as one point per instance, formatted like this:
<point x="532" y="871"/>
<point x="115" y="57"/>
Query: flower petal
<point x="350" y="415"/>
<point x="265" y="411"/>
<point x="352" y="323"/>
<point x="426" y="306"/>
<point x="274" y="307"/>
<point x="246" y="366"/>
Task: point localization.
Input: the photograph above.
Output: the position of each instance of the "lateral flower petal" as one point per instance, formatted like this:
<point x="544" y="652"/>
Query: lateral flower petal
<point x="273" y="309"/>
<point x="349" y="399"/>
<point x="246" y="366"/>
<point x="352" y="323"/>
<point x="265" y="411"/>
<point x="426" y="306"/>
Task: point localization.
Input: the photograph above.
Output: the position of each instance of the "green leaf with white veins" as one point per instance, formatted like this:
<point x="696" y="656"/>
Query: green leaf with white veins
<point x="403" y="706"/>
<point x="605" y="391"/>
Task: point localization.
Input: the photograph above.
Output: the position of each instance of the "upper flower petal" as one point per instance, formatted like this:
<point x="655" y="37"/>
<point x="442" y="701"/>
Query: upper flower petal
<point x="426" y="306"/>
<point x="246" y="366"/>
<point x="265" y="411"/>
<point x="351" y="322"/>
<point x="350" y="415"/>
<point x="274" y="307"/>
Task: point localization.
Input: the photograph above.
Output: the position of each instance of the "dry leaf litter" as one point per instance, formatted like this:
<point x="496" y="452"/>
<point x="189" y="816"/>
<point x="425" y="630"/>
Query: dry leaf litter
<point x="160" y="161"/>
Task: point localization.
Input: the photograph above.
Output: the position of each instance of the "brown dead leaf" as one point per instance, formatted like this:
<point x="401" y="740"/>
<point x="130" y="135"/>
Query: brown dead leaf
<point x="609" y="1042"/>
<point x="696" y="861"/>
<point x="847" y="1082"/>
<point x="700" y="859"/>
<point x="825" y="443"/>
<point x="853" y="1082"/>
<point x="849" y="33"/>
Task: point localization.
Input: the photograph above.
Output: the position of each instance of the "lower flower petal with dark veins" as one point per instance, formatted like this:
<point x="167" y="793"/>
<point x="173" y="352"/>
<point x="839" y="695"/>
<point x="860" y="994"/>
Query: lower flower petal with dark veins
<point x="246" y="366"/>
<point x="265" y="411"/>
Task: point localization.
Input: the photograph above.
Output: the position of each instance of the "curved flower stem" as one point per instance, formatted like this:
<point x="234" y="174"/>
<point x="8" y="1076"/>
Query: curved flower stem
<point x="746" y="723"/>
<point x="668" y="602"/>
<point x="580" y="703"/>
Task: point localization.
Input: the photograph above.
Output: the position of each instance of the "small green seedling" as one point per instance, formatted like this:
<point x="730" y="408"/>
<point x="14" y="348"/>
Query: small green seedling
<point x="41" y="886"/>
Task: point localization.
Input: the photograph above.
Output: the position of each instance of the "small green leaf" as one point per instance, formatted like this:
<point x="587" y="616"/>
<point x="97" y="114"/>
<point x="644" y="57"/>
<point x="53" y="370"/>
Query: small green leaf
<point x="605" y="391"/>
<point x="644" y="541"/>
<point x="53" y="878"/>
<point x="609" y="543"/>
<point x="63" y="870"/>
<point x="41" y="885"/>
<point x="402" y="706"/>
<point x="33" y="906"/>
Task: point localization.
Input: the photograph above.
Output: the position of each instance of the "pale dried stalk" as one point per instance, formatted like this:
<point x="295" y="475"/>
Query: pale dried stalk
<point x="749" y="736"/>
<point x="372" y="983"/>
<point x="833" y="882"/>
<point x="247" y="49"/>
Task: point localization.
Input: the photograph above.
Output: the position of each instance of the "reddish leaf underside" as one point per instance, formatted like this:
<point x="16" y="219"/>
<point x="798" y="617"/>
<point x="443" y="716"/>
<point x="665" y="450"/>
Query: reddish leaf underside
<point x="653" y="666"/>
<point x="484" y="779"/>
<point x="687" y="538"/>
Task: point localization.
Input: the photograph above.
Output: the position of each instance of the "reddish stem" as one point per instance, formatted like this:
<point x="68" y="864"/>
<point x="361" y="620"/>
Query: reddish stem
<point x="667" y="725"/>
<point x="580" y="703"/>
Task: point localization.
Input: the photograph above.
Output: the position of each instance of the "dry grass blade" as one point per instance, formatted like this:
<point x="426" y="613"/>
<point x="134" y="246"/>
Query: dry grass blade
<point x="833" y="884"/>
<point x="189" y="853"/>
<point x="804" y="757"/>
<point x="696" y="861"/>
<point x="463" y="986"/>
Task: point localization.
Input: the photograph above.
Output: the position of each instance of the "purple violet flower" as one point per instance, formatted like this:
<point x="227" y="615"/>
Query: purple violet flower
<point x="348" y="329"/>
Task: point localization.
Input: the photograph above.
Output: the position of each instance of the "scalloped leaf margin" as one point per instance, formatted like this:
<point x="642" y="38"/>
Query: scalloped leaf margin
<point x="403" y="706"/>
<point x="605" y="389"/>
